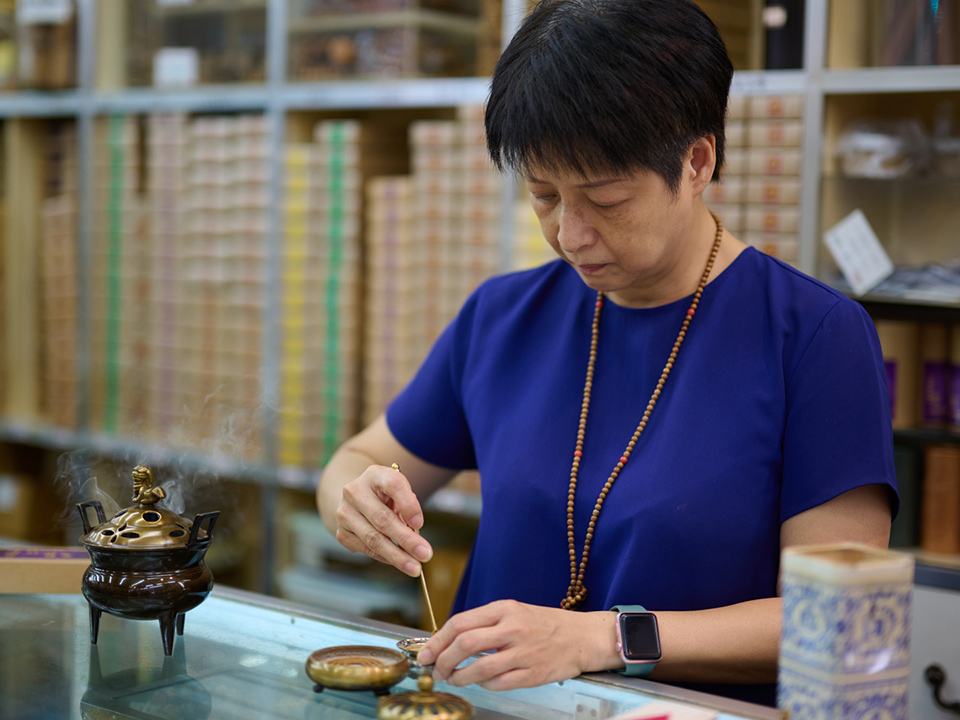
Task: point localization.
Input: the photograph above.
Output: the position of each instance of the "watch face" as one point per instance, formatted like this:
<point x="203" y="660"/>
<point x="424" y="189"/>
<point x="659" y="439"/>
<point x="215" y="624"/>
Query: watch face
<point x="641" y="640"/>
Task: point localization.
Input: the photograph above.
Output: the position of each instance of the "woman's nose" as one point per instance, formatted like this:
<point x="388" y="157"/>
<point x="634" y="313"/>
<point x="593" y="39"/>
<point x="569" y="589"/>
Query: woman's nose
<point x="574" y="232"/>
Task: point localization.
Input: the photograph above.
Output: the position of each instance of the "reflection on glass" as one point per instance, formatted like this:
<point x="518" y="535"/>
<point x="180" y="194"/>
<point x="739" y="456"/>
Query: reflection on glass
<point x="165" y="692"/>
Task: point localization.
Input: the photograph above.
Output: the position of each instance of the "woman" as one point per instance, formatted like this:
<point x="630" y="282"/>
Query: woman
<point x="655" y="414"/>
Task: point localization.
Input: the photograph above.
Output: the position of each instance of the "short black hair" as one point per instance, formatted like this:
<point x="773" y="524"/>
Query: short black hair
<point x="609" y="85"/>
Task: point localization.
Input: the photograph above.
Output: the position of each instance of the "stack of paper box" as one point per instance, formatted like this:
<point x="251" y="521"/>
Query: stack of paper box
<point x="58" y="276"/>
<point x="58" y="287"/>
<point x="320" y="365"/>
<point x="435" y="147"/>
<point x="775" y="137"/>
<point x="394" y="345"/>
<point x="759" y="197"/>
<point x="118" y="322"/>
<point x="480" y="209"/>
<point x="222" y="282"/>
<point x="726" y="198"/>
<point x="167" y="156"/>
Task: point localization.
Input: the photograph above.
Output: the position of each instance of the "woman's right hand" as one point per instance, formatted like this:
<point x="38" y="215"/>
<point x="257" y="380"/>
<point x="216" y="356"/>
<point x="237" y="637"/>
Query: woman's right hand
<point x="379" y="515"/>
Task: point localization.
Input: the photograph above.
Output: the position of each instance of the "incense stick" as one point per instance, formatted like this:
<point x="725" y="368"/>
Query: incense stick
<point x="423" y="580"/>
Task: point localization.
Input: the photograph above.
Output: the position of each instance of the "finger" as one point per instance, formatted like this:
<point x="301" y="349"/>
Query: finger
<point x="395" y="486"/>
<point x="352" y="543"/>
<point x="484" y="669"/>
<point x="511" y="680"/>
<point x="484" y="616"/>
<point x="357" y="534"/>
<point x="368" y="495"/>
<point x="467" y="645"/>
<point x="393" y="489"/>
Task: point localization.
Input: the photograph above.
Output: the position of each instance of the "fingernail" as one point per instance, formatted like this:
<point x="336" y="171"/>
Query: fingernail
<point x="411" y="569"/>
<point x="417" y="520"/>
<point x="425" y="657"/>
<point x="422" y="552"/>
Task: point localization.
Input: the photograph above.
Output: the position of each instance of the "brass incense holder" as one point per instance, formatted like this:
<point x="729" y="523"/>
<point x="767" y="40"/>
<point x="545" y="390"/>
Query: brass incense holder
<point x="357" y="667"/>
<point x="425" y="702"/>
<point x="411" y="647"/>
<point x="146" y="561"/>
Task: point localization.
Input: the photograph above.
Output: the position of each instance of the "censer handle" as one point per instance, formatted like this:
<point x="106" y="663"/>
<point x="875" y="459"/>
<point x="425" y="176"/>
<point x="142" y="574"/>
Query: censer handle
<point x="210" y="518"/>
<point x="82" y="509"/>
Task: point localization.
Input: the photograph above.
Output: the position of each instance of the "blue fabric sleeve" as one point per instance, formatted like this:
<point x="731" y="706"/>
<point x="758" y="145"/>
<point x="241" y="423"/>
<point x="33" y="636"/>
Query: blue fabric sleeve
<point x="427" y="417"/>
<point x="838" y="433"/>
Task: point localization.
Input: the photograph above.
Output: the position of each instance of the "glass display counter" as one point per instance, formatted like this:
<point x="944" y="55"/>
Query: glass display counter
<point x="243" y="656"/>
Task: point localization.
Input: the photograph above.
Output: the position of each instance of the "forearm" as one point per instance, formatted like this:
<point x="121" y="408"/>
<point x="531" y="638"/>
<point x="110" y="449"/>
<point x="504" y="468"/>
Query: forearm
<point x="346" y="464"/>
<point x="735" y="644"/>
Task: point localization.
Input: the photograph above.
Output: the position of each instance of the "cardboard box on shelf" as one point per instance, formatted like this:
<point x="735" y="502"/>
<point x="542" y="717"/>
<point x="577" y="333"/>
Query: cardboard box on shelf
<point x="900" y="343"/>
<point x="940" y="520"/>
<point x="35" y="569"/>
<point x="772" y="219"/>
<point x="935" y="371"/>
<point x="772" y="190"/>
<point x="729" y="190"/>
<point x="776" y="107"/>
<point x="731" y="215"/>
<point x="766" y="161"/>
<point x="775" y="133"/>
<point x="783" y="246"/>
<point x="954" y="406"/>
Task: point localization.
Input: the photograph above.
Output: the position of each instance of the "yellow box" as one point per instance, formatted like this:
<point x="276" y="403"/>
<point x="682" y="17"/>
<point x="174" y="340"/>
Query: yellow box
<point x="28" y="570"/>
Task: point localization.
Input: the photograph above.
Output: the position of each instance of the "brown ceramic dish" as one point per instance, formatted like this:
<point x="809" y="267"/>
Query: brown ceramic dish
<point x="146" y="561"/>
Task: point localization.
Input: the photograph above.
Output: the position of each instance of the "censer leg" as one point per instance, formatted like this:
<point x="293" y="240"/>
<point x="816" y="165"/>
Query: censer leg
<point x="167" y="624"/>
<point x="180" y="623"/>
<point x="94" y="624"/>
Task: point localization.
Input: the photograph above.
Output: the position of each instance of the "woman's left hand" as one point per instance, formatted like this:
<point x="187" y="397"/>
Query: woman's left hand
<point x="533" y="645"/>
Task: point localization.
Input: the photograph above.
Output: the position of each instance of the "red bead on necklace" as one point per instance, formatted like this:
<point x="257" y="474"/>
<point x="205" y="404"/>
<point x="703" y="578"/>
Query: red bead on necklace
<point x="577" y="591"/>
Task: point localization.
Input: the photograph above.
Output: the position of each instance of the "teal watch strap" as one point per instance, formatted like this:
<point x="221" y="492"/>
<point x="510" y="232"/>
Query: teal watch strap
<point x="638" y="670"/>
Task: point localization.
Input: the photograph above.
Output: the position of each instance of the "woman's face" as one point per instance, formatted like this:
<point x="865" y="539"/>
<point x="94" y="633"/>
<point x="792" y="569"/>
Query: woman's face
<point x="629" y="236"/>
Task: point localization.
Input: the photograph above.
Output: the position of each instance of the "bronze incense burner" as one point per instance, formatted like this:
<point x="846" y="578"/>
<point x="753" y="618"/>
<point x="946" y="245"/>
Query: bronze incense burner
<point x="146" y="561"/>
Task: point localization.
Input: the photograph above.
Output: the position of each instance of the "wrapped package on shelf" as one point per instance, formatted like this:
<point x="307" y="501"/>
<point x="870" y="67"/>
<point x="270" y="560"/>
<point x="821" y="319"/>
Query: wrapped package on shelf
<point x="321" y="322"/>
<point x="776" y="107"/>
<point x="934" y="372"/>
<point x="730" y="190"/>
<point x="412" y="42"/>
<point x="845" y="638"/>
<point x="940" y="503"/>
<point x="783" y="246"/>
<point x="954" y="403"/>
<point x="393" y="349"/>
<point x="900" y="342"/>
<point x="58" y="288"/>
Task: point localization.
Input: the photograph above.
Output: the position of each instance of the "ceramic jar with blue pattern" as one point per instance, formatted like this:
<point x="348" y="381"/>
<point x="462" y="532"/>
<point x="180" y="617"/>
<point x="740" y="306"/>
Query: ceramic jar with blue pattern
<point x="845" y="642"/>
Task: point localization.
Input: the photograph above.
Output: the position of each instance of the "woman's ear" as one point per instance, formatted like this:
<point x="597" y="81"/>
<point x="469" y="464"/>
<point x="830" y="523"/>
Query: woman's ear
<point x="701" y="161"/>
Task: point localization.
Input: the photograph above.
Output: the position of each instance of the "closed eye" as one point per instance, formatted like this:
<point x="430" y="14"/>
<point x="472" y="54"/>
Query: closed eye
<point x="607" y="206"/>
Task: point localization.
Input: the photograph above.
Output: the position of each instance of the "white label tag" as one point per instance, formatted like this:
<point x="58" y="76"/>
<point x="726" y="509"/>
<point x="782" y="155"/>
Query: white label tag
<point x="44" y="12"/>
<point x="858" y="252"/>
<point x="176" y="67"/>
<point x="173" y="3"/>
<point x="9" y="493"/>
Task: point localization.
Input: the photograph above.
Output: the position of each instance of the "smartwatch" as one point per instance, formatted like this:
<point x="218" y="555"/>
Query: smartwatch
<point x="638" y="640"/>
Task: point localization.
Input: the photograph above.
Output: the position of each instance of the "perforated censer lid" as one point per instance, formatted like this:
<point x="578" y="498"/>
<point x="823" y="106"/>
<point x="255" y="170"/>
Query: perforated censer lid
<point x="144" y="525"/>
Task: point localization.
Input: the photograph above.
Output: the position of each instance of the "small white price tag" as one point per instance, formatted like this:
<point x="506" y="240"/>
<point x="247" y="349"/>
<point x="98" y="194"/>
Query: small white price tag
<point x="858" y="252"/>
<point x="44" y="12"/>
<point x="176" y="67"/>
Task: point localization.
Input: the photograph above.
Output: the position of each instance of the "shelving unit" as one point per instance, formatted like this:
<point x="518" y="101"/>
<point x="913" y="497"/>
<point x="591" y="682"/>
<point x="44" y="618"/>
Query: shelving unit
<point x="284" y="103"/>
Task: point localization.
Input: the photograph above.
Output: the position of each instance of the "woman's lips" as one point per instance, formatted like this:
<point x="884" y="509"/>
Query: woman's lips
<point x="591" y="269"/>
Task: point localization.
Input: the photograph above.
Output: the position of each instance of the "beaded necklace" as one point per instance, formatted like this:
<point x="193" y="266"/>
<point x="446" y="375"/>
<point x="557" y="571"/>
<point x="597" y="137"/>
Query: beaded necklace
<point x="577" y="591"/>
